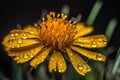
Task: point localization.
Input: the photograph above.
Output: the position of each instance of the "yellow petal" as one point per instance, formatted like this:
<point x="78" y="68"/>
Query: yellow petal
<point x="53" y="62"/>
<point x="24" y="56"/>
<point x="61" y="64"/>
<point x="40" y="58"/>
<point x="82" y="30"/>
<point x="95" y="41"/>
<point x="78" y="63"/>
<point x="57" y="61"/>
<point x="20" y="38"/>
<point x="89" y="54"/>
<point x="31" y="29"/>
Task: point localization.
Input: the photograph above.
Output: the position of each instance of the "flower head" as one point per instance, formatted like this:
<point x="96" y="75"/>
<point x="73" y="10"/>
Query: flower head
<point x="56" y="37"/>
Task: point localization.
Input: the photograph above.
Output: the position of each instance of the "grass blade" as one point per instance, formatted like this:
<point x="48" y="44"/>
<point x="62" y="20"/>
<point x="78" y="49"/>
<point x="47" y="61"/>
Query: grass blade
<point x="89" y="76"/>
<point x="17" y="73"/>
<point x="115" y="66"/>
<point x="94" y="12"/>
<point x="110" y="28"/>
<point x="2" y="76"/>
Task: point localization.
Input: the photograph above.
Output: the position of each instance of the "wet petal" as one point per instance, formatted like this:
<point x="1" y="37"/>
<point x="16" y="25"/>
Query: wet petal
<point x="89" y="54"/>
<point x="20" y="38"/>
<point x="82" y="30"/>
<point x="31" y="29"/>
<point x="57" y="62"/>
<point x="40" y="57"/>
<point x="96" y="41"/>
<point x="61" y="64"/>
<point x="78" y="63"/>
<point x="53" y="62"/>
<point x="24" y="56"/>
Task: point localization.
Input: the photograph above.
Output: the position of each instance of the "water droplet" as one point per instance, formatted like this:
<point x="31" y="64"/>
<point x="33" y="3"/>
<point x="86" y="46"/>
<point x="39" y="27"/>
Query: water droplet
<point x="20" y="41"/>
<point x="17" y="58"/>
<point x="99" y="57"/>
<point x="10" y="41"/>
<point x="12" y="36"/>
<point x="16" y="34"/>
<point x="25" y="56"/>
<point x="24" y="36"/>
<point x="31" y="32"/>
<point x="94" y="44"/>
<point x="31" y="55"/>
<point x="42" y="59"/>
<point x="61" y="70"/>
<point x="104" y="41"/>
<point x="80" y="67"/>
<point x="100" y="39"/>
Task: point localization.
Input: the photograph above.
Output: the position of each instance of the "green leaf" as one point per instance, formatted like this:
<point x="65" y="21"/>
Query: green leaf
<point x="2" y="76"/>
<point x="17" y="72"/>
<point x="110" y="28"/>
<point x="89" y="76"/>
<point x="115" y="66"/>
<point x="94" y="12"/>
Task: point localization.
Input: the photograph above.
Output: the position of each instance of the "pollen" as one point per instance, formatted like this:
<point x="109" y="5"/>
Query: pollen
<point x="56" y="32"/>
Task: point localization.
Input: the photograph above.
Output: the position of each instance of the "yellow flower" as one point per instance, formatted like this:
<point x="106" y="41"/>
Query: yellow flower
<point x="56" y="37"/>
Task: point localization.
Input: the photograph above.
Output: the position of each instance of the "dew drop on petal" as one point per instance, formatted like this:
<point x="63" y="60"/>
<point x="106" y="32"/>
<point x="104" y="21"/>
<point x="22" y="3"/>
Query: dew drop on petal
<point x="31" y="32"/>
<point x="99" y="57"/>
<point x="19" y="41"/>
<point x="104" y="41"/>
<point x="42" y="58"/>
<point x="31" y="55"/>
<point x="16" y="34"/>
<point x="61" y="70"/>
<point x="80" y="67"/>
<point x="94" y="44"/>
<point x="12" y="36"/>
<point x="25" y="56"/>
<point x="24" y="36"/>
<point x="17" y="58"/>
<point x="10" y="41"/>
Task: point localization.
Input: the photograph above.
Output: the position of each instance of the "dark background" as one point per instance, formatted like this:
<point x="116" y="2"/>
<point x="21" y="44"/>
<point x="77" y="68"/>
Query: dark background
<point x="28" y="11"/>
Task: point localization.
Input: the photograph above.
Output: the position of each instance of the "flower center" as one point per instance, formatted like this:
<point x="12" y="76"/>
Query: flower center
<point x="57" y="32"/>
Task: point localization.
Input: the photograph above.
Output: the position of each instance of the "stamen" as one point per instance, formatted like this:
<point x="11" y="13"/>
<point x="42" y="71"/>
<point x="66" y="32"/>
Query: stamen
<point x="56" y="31"/>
